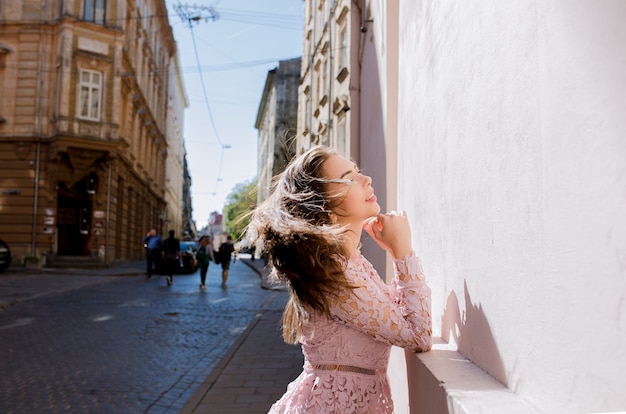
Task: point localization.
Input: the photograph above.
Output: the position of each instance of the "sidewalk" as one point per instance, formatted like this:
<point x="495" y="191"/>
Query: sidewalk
<point x="255" y="372"/>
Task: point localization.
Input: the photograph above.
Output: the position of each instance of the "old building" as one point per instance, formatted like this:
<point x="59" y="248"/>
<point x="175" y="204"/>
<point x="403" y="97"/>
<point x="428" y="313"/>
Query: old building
<point x="329" y="76"/>
<point x="90" y="110"/>
<point x="189" y="225"/>
<point x="177" y="181"/>
<point x="276" y="123"/>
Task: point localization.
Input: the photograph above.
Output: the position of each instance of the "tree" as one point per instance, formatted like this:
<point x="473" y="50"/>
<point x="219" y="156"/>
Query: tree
<point x="239" y="204"/>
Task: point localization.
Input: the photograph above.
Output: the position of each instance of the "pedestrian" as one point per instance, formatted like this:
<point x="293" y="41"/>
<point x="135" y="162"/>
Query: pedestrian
<point x="204" y="255"/>
<point x="224" y="252"/>
<point x="171" y="256"/>
<point x="341" y="312"/>
<point x="152" y="243"/>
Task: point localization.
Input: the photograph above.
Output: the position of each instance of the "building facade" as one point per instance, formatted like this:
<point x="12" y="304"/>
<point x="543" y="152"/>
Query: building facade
<point x="177" y="182"/>
<point x="276" y="123"/>
<point x="190" y="232"/>
<point x="84" y="136"/>
<point x="329" y="76"/>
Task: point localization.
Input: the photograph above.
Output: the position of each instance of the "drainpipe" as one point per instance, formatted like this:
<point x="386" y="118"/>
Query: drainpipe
<point x="311" y="61"/>
<point x="108" y="213"/>
<point x="36" y="198"/>
<point x="330" y="70"/>
<point x="38" y="134"/>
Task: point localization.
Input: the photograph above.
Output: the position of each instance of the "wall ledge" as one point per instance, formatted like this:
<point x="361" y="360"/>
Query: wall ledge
<point x="447" y="382"/>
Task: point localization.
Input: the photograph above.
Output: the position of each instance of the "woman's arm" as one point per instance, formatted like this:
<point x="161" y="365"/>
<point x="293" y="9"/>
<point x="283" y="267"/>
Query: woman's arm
<point x="398" y="314"/>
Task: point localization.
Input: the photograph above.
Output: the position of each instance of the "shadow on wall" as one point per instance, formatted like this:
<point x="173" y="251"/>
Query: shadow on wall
<point x="371" y="145"/>
<point x="471" y="332"/>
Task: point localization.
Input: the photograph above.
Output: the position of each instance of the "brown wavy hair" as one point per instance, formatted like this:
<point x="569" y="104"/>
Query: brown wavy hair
<point x="296" y="231"/>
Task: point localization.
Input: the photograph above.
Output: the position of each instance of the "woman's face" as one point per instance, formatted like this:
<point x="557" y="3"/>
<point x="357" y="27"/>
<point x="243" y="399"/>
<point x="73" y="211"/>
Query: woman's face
<point x="357" y="201"/>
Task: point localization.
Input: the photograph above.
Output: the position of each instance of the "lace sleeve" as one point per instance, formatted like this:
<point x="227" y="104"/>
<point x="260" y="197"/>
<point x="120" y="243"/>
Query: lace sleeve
<point x="398" y="314"/>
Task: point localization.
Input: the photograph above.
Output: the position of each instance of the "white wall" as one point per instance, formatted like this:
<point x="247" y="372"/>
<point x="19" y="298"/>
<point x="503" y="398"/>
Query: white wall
<point x="378" y="151"/>
<point x="512" y="165"/>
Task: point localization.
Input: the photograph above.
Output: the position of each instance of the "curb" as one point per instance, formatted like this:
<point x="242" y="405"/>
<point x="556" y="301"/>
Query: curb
<point x="204" y="388"/>
<point x="267" y="282"/>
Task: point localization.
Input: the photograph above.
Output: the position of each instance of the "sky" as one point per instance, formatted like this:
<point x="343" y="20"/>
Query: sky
<point x="225" y="62"/>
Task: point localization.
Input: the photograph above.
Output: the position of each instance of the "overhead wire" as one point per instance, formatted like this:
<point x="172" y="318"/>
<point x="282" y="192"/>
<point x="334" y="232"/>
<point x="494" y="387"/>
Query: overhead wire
<point x="208" y="107"/>
<point x="279" y="21"/>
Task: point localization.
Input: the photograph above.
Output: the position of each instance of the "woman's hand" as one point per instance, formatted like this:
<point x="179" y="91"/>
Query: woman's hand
<point x="392" y="232"/>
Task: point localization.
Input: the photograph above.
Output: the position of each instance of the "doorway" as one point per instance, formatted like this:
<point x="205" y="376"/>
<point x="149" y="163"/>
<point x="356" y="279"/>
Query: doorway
<point x="74" y="220"/>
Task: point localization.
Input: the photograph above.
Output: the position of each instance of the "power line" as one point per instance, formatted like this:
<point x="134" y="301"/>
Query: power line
<point x="281" y="21"/>
<point x="194" y="14"/>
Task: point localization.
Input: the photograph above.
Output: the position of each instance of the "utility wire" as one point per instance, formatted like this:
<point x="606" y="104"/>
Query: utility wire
<point x="195" y="18"/>
<point x="280" y="21"/>
<point x="194" y="14"/>
<point x="206" y="99"/>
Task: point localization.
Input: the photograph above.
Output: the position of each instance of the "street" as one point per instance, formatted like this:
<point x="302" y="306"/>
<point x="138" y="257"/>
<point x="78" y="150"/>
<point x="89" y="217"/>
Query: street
<point x="122" y="344"/>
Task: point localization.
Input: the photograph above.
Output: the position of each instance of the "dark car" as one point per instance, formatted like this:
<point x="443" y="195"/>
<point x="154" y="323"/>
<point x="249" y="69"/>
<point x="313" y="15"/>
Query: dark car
<point x="5" y="256"/>
<point x="189" y="264"/>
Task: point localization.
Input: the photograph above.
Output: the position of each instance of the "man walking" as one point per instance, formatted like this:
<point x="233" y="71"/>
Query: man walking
<point x="171" y="256"/>
<point x="152" y="243"/>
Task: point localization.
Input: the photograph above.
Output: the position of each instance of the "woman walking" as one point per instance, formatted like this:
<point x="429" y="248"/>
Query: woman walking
<point x="204" y="255"/>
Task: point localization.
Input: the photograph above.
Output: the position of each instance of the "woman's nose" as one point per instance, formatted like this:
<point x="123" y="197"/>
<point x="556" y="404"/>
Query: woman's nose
<point x="368" y="180"/>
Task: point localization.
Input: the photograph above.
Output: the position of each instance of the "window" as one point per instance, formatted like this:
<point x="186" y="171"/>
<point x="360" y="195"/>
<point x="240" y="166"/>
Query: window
<point x="343" y="54"/>
<point x="308" y="110"/>
<point x="90" y="94"/>
<point x="322" y="75"/>
<point x="342" y="147"/>
<point x="317" y="90"/>
<point x="94" y="11"/>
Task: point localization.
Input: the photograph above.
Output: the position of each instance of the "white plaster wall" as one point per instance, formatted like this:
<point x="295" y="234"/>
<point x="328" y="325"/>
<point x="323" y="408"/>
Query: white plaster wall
<point x="378" y="138"/>
<point x="512" y="165"/>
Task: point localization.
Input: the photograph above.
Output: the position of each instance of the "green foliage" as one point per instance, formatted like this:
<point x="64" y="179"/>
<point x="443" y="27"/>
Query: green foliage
<point x="240" y="203"/>
<point x="29" y="259"/>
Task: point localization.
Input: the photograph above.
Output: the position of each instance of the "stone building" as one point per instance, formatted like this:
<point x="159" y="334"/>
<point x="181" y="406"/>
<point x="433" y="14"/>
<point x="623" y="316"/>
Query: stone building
<point x="90" y="112"/>
<point x="329" y="76"/>
<point x="177" y="181"/>
<point x="190" y="231"/>
<point x="276" y="123"/>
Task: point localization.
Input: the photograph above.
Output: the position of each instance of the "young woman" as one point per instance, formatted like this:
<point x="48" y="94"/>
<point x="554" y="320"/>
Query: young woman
<point x="344" y="316"/>
<point x="204" y="255"/>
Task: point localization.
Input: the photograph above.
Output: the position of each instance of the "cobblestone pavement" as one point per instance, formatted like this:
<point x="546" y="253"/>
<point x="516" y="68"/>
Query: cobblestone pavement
<point x="120" y="344"/>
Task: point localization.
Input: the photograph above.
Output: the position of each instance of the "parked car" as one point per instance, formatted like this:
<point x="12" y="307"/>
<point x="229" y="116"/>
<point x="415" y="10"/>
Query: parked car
<point x="188" y="256"/>
<point x="5" y="256"/>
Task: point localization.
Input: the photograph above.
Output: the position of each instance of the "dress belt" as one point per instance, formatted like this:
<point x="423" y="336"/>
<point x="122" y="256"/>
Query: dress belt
<point x="345" y="368"/>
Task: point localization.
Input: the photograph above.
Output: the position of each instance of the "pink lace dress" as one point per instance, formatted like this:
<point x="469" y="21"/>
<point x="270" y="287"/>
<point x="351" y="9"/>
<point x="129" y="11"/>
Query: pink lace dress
<point x="345" y="368"/>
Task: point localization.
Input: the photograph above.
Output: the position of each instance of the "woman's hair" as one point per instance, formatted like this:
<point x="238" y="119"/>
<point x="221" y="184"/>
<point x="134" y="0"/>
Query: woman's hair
<point x="296" y="231"/>
<point x="202" y="238"/>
